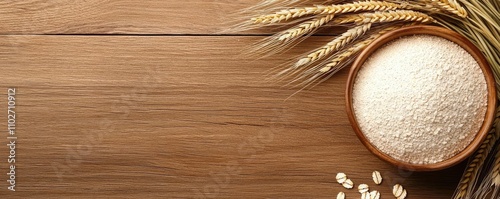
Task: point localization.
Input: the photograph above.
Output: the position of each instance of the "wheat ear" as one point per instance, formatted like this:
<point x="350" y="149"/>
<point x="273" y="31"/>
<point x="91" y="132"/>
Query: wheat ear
<point x="496" y="175"/>
<point x="496" y="168"/>
<point x="451" y="6"/>
<point x="335" y="45"/>
<point x="304" y="28"/>
<point x="489" y="185"/>
<point x="323" y="71"/>
<point x="284" y="3"/>
<point x="279" y="42"/>
<point x="385" y="16"/>
<point x="493" y="187"/>
<point x="288" y="14"/>
<point x="333" y="64"/>
<point x="268" y="3"/>
<point x="467" y="181"/>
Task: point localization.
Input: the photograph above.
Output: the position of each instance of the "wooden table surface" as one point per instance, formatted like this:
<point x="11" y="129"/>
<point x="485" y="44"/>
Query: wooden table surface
<point x="143" y="99"/>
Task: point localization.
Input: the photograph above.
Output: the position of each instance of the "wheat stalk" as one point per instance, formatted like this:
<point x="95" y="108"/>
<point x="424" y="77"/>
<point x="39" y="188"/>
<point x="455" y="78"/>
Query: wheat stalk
<point x="288" y="14"/>
<point x="335" y="45"/>
<point x="384" y="17"/>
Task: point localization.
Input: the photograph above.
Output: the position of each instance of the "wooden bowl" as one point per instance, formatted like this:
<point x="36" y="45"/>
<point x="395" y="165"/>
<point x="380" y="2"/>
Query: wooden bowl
<point x="440" y="32"/>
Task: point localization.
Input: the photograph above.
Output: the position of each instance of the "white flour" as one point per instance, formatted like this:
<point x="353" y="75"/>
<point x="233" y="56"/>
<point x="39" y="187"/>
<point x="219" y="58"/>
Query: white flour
<point x="420" y="99"/>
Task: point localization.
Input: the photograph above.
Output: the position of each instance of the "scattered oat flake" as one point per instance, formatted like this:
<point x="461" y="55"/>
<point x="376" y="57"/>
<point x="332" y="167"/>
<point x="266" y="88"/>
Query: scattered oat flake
<point x="377" y="177"/>
<point x="365" y="195"/>
<point x="341" y="195"/>
<point x="363" y="188"/>
<point x="348" y="184"/>
<point x="375" y="195"/>
<point x="398" y="191"/>
<point x="403" y="195"/>
<point x="341" y="178"/>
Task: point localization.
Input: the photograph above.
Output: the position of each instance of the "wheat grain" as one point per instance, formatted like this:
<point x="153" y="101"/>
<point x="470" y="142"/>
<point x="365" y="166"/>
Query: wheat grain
<point x="335" y="45"/>
<point x="384" y="17"/>
<point x="304" y="28"/>
<point x="288" y="14"/>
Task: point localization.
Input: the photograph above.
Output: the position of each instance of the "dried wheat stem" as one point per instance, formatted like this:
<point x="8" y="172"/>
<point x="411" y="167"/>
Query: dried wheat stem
<point x="477" y="162"/>
<point x="305" y="28"/>
<point x="473" y="168"/>
<point x="496" y="168"/>
<point x="335" y="45"/>
<point x="287" y="14"/>
<point x="385" y="16"/>
<point x="451" y="6"/>
<point x="332" y="65"/>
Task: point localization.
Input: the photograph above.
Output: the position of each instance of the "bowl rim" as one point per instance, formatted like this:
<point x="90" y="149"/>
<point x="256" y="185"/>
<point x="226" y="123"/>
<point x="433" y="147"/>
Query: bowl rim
<point x="451" y="36"/>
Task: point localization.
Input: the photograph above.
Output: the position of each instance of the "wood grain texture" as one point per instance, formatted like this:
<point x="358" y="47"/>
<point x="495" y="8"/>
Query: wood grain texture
<point x="119" y="17"/>
<point x="180" y="117"/>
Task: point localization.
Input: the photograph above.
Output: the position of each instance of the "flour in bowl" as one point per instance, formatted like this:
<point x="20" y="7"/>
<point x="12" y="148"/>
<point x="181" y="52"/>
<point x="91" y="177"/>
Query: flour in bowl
<point x="420" y="99"/>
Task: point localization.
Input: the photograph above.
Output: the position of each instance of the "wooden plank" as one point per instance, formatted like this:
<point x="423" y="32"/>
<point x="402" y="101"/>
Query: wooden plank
<point x="119" y="17"/>
<point x="179" y="117"/>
